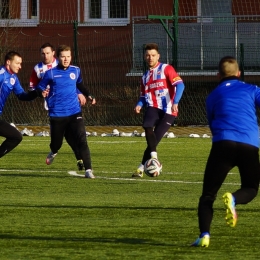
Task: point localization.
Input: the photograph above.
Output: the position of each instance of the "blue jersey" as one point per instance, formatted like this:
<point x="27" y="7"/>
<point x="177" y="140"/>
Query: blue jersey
<point x="231" y="111"/>
<point x="8" y="83"/>
<point x="62" y="99"/>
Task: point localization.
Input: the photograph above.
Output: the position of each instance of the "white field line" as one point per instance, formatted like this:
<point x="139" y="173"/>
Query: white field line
<point x="75" y="174"/>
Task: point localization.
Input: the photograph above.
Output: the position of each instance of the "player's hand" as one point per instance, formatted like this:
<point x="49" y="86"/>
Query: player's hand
<point x="175" y="108"/>
<point x="45" y="92"/>
<point x="92" y="99"/>
<point x="82" y="99"/>
<point x="137" y="109"/>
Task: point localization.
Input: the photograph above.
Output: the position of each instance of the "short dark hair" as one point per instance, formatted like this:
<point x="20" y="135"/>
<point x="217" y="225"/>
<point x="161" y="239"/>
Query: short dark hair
<point x="61" y="48"/>
<point x="151" y="46"/>
<point x="47" y="44"/>
<point x="10" y="55"/>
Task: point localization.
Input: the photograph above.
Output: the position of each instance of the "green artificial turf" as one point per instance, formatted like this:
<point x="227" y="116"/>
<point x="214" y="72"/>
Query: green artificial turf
<point x="47" y="214"/>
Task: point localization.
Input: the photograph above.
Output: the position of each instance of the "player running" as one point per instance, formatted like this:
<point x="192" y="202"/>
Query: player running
<point x="231" y="113"/>
<point x="48" y="62"/>
<point x="9" y="83"/>
<point x="64" y="109"/>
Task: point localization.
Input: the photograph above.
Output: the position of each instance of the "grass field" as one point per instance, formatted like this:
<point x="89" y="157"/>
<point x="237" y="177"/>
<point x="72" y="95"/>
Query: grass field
<point x="48" y="214"/>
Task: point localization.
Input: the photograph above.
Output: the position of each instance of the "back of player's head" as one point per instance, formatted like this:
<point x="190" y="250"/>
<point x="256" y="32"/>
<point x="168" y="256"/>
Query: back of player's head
<point x="62" y="48"/>
<point x="151" y="46"/>
<point x="47" y="44"/>
<point x="10" y="55"/>
<point x="228" y="67"/>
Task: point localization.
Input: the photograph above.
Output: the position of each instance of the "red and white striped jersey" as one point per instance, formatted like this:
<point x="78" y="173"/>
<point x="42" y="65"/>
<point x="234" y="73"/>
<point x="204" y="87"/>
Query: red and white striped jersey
<point x="158" y="86"/>
<point x="39" y="71"/>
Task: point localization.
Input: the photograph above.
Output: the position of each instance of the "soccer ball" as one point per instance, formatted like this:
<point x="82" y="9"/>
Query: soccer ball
<point x="152" y="167"/>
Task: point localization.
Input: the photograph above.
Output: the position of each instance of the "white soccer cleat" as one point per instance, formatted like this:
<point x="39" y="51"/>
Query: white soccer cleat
<point x="89" y="174"/>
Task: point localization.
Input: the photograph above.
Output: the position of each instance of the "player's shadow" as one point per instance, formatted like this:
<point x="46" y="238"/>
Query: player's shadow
<point x="40" y="175"/>
<point x="124" y="240"/>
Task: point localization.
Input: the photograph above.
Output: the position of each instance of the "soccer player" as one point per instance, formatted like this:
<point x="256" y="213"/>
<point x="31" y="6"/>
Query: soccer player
<point x="65" y="113"/>
<point x="231" y="113"/>
<point x="161" y="91"/>
<point x="49" y="61"/>
<point x="10" y="83"/>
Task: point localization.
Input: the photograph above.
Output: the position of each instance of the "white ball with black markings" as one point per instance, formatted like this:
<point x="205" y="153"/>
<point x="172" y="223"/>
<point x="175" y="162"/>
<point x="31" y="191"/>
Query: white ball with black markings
<point x="152" y="167"/>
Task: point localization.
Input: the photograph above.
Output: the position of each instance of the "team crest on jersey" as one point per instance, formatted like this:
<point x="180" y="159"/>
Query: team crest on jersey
<point x="72" y="75"/>
<point x="12" y="81"/>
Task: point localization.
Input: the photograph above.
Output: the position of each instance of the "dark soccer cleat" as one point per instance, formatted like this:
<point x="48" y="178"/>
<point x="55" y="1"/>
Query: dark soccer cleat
<point x="50" y="157"/>
<point x="80" y="165"/>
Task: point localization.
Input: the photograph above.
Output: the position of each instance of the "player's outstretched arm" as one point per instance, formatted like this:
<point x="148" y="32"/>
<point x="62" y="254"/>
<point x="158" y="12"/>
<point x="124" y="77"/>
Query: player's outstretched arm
<point x="31" y="95"/>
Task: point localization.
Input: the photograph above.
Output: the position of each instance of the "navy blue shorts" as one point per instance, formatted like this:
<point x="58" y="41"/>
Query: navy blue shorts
<point x="154" y="116"/>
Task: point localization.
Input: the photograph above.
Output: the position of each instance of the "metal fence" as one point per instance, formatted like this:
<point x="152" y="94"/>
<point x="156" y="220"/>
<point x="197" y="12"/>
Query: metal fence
<point x="111" y="61"/>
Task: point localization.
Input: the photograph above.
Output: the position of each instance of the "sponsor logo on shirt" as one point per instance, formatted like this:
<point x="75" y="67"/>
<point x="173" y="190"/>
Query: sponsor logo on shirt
<point x="156" y="85"/>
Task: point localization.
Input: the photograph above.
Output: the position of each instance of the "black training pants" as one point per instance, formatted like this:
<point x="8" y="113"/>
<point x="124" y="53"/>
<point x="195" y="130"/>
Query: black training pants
<point x="74" y="124"/>
<point x="12" y="135"/>
<point x="225" y="155"/>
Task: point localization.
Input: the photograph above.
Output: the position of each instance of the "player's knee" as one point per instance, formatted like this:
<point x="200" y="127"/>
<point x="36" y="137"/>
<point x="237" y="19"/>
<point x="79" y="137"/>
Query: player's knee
<point x="148" y="131"/>
<point x="254" y="192"/>
<point x="12" y="142"/>
<point x="17" y="138"/>
<point x="208" y="200"/>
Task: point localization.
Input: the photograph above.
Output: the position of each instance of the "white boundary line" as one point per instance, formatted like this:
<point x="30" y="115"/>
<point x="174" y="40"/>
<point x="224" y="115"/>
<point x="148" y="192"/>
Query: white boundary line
<point x="75" y="174"/>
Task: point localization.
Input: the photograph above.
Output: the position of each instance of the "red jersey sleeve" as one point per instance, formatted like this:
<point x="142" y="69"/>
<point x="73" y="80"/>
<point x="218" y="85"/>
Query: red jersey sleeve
<point x="34" y="80"/>
<point x="172" y="75"/>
